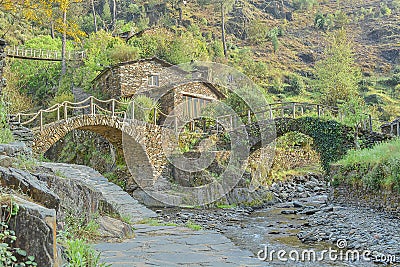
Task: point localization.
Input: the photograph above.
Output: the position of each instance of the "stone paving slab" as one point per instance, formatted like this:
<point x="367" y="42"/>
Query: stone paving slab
<point x="175" y="246"/>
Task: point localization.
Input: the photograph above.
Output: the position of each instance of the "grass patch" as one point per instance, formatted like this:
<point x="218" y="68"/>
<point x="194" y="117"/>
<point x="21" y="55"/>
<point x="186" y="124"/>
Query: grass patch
<point x="80" y="253"/>
<point x="375" y="168"/>
<point x="76" y="237"/>
<point x="225" y="206"/>
<point x="193" y="226"/>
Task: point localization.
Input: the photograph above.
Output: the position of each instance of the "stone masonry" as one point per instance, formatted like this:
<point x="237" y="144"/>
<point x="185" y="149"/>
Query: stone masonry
<point x="129" y="78"/>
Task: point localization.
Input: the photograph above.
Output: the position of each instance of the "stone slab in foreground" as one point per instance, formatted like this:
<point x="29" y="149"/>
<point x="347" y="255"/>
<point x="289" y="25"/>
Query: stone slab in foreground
<point x="175" y="246"/>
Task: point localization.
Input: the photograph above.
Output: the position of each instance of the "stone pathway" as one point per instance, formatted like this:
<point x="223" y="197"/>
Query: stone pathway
<point x="156" y="245"/>
<point x="121" y="201"/>
<point x="175" y="246"/>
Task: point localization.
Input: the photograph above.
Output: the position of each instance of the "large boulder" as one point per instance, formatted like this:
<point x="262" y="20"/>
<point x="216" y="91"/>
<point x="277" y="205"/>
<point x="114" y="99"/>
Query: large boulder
<point x="20" y="180"/>
<point x="35" y="229"/>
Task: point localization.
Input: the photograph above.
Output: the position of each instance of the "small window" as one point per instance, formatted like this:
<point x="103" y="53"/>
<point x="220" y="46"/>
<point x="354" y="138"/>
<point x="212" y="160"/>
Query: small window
<point x="153" y="80"/>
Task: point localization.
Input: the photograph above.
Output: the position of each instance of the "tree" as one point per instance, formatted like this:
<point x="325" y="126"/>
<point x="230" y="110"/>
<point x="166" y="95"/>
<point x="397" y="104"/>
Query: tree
<point x="66" y="28"/>
<point x="337" y="75"/>
<point x="94" y="15"/>
<point x="106" y="16"/>
<point x="225" y="6"/>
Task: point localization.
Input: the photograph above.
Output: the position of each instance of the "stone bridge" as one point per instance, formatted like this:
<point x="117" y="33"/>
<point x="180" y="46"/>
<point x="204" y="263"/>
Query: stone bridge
<point x="142" y="141"/>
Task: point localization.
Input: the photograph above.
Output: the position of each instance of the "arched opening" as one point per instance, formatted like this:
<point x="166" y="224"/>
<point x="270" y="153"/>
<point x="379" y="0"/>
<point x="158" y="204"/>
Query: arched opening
<point x="99" y="147"/>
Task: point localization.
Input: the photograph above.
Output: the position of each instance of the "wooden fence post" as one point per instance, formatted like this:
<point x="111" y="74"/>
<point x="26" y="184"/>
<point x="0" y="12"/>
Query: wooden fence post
<point x="65" y="111"/>
<point x="294" y="110"/>
<point x="370" y="122"/>
<point x="91" y="106"/>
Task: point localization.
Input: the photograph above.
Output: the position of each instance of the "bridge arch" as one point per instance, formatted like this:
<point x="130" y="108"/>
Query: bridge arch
<point x="136" y="151"/>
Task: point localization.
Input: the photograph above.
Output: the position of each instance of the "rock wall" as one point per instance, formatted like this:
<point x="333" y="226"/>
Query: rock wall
<point x="383" y="200"/>
<point x="2" y="64"/>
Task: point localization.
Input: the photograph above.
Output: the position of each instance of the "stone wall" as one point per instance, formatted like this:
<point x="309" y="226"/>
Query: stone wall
<point x="127" y="78"/>
<point x="382" y="200"/>
<point x="2" y="64"/>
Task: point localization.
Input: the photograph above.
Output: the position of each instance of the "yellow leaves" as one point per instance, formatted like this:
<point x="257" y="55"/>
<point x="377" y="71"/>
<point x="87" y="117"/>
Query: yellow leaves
<point x="71" y="29"/>
<point x="44" y="12"/>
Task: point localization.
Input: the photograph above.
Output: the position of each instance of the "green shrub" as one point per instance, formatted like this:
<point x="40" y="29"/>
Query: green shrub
<point x="82" y="254"/>
<point x="296" y="84"/>
<point x="123" y="52"/>
<point x="375" y="168"/>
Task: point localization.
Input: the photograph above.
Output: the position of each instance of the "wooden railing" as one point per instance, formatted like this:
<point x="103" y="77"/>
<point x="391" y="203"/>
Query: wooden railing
<point x="42" y="54"/>
<point x="293" y="110"/>
<point x="120" y="111"/>
<point x="392" y="128"/>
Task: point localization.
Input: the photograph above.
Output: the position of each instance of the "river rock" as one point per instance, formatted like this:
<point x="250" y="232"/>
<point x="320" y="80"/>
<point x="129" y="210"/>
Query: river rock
<point x="111" y="228"/>
<point x="6" y="161"/>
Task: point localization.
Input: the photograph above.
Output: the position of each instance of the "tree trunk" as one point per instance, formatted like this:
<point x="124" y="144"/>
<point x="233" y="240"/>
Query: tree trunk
<point x="223" y="29"/>
<point x="94" y="16"/>
<point x="52" y="30"/>
<point x="180" y="15"/>
<point x="114" y="13"/>
<point x="64" y="45"/>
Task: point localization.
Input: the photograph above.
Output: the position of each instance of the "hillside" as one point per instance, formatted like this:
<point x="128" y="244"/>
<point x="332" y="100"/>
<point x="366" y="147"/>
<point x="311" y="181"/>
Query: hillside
<point x="271" y="41"/>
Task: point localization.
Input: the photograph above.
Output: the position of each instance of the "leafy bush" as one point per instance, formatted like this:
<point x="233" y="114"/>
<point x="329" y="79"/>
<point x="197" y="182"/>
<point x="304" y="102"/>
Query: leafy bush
<point x="258" y="31"/>
<point x="60" y="98"/>
<point x="122" y="53"/>
<point x="296" y="84"/>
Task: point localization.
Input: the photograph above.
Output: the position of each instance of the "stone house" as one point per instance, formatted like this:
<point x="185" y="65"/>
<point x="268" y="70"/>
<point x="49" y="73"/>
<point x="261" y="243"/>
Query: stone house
<point x="159" y="80"/>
